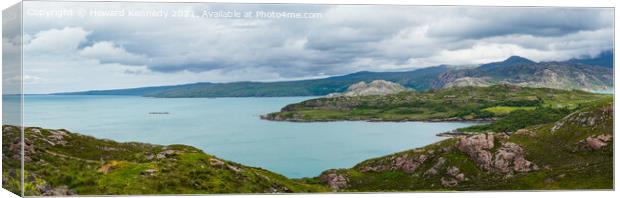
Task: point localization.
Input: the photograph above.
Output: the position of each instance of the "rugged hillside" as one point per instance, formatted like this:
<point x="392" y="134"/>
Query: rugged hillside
<point x="592" y="74"/>
<point x="374" y="88"/>
<point x="575" y="152"/>
<point x="523" y="72"/>
<point x="59" y="162"/>
<point x="448" y="104"/>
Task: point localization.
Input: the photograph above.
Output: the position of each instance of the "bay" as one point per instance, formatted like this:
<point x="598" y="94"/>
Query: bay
<point x="230" y="128"/>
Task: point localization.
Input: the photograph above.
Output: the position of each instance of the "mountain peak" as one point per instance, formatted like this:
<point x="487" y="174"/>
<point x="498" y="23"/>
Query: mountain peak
<point x="517" y="59"/>
<point x="510" y="61"/>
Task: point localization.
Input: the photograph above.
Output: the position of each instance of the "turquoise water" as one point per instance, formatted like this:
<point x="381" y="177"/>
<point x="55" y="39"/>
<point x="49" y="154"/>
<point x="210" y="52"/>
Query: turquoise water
<point x="230" y="128"/>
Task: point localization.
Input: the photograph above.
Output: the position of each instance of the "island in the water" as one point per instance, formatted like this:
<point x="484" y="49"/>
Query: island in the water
<point x="537" y="138"/>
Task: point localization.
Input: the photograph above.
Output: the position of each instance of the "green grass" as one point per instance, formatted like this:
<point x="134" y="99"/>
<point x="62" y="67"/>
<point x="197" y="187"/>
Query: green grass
<point x="188" y="171"/>
<point x="503" y="110"/>
<point x="564" y="163"/>
<point x="464" y="103"/>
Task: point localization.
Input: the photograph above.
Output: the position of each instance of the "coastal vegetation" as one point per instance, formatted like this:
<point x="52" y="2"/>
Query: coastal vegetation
<point x="574" y="152"/>
<point x="514" y="103"/>
<point x="59" y="162"/>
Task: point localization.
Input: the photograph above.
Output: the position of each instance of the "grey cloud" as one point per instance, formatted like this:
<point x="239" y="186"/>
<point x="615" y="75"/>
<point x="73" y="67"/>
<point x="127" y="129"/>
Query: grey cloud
<point x="347" y="39"/>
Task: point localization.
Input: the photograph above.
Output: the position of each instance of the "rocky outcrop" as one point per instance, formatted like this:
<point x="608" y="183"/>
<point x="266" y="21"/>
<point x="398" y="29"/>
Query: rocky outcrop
<point x="597" y="142"/>
<point x="468" y="81"/>
<point x="477" y="147"/>
<point x="435" y="168"/>
<point x="334" y="180"/>
<point x="453" y="177"/>
<point x="376" y="87"/>
<point x="405" y="162"/>
<point x="525" y="132"/>
<point x="508" y="159"/>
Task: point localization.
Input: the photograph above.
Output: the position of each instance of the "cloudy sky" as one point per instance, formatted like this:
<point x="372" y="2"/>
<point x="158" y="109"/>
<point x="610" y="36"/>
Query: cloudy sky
<point x="84" y="46"/>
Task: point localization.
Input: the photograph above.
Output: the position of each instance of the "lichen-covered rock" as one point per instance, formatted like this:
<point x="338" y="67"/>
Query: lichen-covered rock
<point x="334" y="180"/>
<point x="58" y="191"/>
<point x="166" y="153"/>
<point x="509" y="158"/>
<point x="453" y="171"/>
<point x="435" y="169"/>
<point x="406" y="162"/>
<point x="525" y="132"/>
<point x="215" y="162"/>
<point x="449" y="182"/>
<point x="598" y="142"/>
<point x="475" y="146"/>
<point x="409" y="164"/>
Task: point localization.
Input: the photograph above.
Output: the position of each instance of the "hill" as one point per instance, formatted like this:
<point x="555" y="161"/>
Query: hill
<point x="59" y="162"/>
<point x="522" y="72"/>
<point x="575" y="152"/>
<point x="605" y="59"/>
<point x="582" y="74"/>
<point x="448" y="104"/>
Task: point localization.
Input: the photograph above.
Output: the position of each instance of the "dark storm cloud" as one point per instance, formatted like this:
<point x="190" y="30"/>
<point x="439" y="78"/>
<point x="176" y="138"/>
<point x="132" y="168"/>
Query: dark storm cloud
<point x="488" y="22"/>
<point x="344" y="40"/>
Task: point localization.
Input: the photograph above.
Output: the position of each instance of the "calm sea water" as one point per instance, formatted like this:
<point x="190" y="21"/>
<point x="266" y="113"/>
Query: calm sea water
<point x="230" y="128"/>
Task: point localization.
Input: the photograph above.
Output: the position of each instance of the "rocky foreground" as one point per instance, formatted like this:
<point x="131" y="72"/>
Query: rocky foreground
<point x="60" y="163"/>
<point x="575" y="152"/>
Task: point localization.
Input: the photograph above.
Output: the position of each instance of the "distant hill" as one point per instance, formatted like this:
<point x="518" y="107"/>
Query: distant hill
<point x="605" y="59"/>
<point x="523" y="72"/>
<point x="583" y="74"/>
<point x="416" y="79"/>
<point x="511" y="61"/>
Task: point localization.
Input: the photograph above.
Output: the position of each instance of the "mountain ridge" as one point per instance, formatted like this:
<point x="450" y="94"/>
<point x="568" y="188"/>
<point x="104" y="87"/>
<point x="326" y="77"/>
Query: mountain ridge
<point x="571" y="74"/>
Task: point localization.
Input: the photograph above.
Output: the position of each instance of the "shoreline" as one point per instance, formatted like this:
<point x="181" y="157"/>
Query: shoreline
<point x="447" y="120"/>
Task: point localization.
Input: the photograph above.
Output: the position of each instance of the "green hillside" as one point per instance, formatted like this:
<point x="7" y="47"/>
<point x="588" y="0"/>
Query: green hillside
<point x="576" y="152"/>
<point x="59" y="162"/>
<point x="449" y="104"/>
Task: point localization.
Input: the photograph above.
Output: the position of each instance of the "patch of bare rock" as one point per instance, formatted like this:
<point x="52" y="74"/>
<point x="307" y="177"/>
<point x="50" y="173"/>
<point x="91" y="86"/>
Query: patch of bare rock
<point x="509" y="158"/>
<point x="334" y="180"/>
<point x="376" y="87"/>
<point x="596" y="142"/>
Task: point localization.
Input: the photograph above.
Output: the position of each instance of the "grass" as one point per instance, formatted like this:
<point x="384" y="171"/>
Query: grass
<point x="78" y="162"/>
<point x="564" y="163"/>
<point x="503" y="110"/>
<point x="463" y="103"/>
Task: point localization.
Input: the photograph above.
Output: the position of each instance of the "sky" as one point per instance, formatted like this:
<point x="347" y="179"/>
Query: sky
<point x="75" y="46"/>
